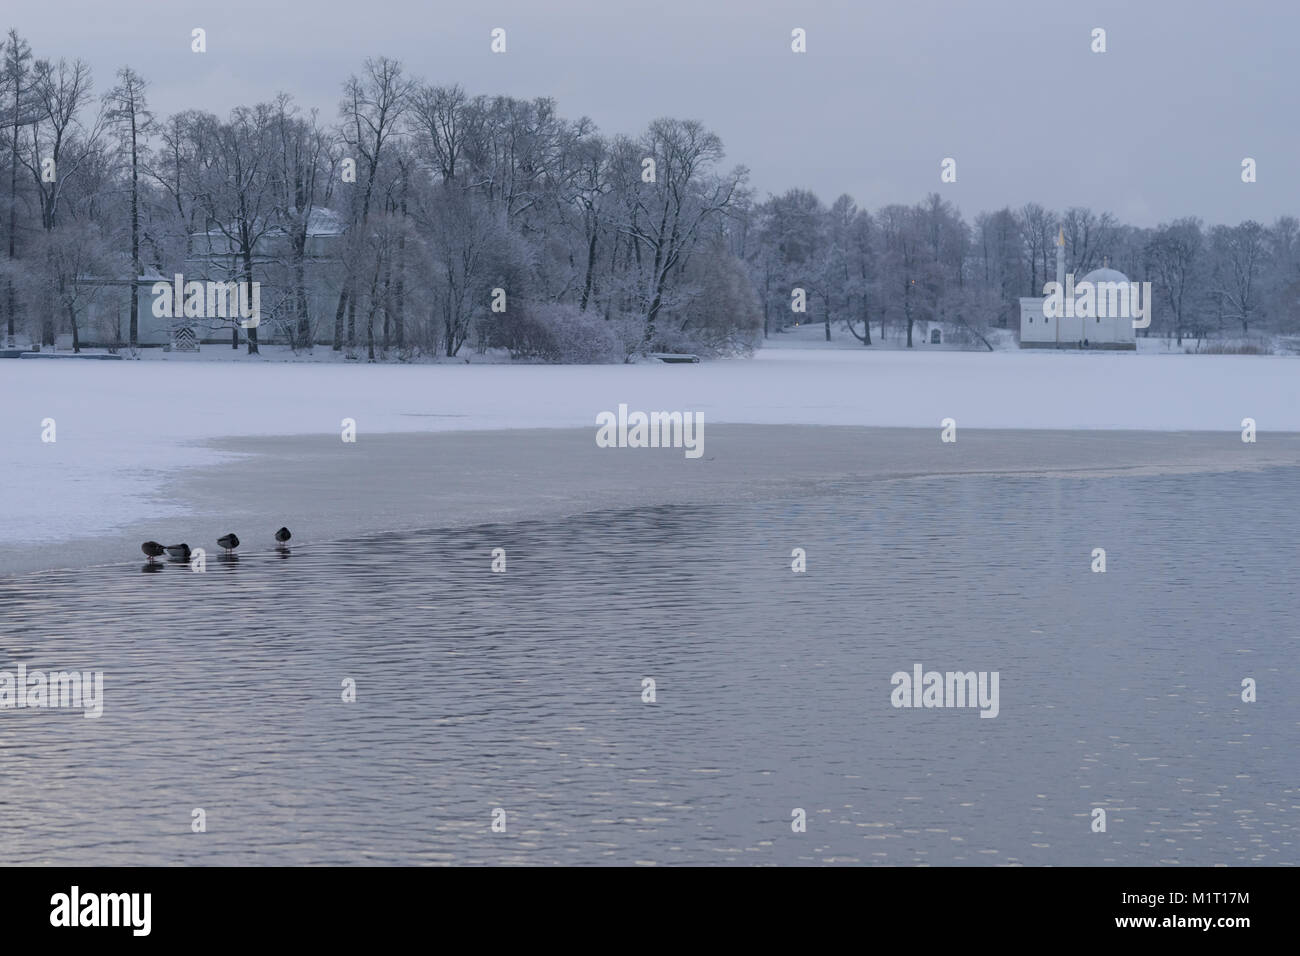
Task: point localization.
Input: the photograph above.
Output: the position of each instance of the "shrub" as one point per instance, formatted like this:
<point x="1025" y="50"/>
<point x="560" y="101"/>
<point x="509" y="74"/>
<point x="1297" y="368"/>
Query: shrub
<point x="721" y="313"/>
<point x="1221" y="349"/>
<point x="551" y="332"/>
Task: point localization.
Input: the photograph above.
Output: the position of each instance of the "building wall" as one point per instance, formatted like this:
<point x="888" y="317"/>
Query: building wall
<point x="1038" y="330"/>
<point x="107" y="318"/>
<point x="1034" y="325"/>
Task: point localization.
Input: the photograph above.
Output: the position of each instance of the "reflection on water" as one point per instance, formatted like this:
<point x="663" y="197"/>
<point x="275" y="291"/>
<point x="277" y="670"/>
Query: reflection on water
<point x="522" y="690"/>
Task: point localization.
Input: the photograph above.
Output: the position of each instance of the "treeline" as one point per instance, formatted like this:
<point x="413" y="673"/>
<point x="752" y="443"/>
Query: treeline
<point x="904" y="264"/>
<point x="424" y="220"/>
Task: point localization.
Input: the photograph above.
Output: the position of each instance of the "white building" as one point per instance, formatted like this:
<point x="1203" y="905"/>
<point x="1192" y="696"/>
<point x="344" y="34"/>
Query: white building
<point x="1104" y="326"/>
<point x="106" y="320"/>
<point x="215" y="258"/>
<point x="106" y="316"/>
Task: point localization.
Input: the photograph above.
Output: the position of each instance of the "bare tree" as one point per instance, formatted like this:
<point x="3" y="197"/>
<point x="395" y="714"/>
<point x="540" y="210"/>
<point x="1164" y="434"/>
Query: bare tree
<point x="302" y="178"/>
<point x="905" y="262"/>
<point x="371" y="112"/>
<point x="1088" y="237"/>
<point x="682" y="198"/>
<point x="861" y="256"/>
<point x="1239" y="253"/>
<point x="238" y="193"/>
<point x="442" y="117"/>
<point x="128" y="112"/>
<point x="1175" y="252"/>
<point x="1038" y="235"/>
<point x="16" y="77"/>
<point x="472" y="252"/>
<point x="60" y="91"/>
<point x="176" y="167"/>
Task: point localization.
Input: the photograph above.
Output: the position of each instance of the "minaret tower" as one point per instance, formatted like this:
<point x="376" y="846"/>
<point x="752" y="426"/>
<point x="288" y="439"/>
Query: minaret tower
<point x="1060" y="259"/>
<point x="1060" y="278"/>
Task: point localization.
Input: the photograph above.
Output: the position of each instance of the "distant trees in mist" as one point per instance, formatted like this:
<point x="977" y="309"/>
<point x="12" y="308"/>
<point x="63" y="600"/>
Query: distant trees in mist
<point x="880" y="273"/>
<point x="391" y="229"/>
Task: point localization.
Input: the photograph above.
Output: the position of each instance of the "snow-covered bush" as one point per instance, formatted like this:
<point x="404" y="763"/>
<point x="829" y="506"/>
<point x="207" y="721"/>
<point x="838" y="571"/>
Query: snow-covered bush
<point x="721" y="315"/>
<point x="552" y="332"/>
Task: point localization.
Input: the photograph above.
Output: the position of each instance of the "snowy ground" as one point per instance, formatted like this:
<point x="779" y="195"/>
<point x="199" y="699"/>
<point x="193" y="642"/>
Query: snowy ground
<point x="125" y="428"/>
<point x="812" y="335"/>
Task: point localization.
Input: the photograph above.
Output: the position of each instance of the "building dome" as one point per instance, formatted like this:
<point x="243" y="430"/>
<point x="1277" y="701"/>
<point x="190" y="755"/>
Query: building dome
<point x="1105" y="275"/>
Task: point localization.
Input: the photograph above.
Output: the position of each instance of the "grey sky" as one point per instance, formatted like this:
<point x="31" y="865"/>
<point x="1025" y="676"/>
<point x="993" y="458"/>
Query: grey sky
<point x="1153" y="129"/>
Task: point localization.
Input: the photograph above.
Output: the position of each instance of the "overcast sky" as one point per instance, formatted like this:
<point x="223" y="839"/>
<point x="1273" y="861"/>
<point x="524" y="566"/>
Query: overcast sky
<point x="1153" y="129"/>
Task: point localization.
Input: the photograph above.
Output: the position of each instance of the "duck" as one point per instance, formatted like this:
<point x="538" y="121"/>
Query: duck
<point x="229" y="541"/>
<point x="152" y="549"/>
<point x="283" y="535"/>
<point x="181" y="551"/>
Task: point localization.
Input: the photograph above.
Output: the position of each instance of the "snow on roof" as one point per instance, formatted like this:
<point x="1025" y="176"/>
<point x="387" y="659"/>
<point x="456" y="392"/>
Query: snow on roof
<point x="146" y="275"/>
<point x="320" y="222"/>
<point x="325" y="222"/>
<point x="1105" y="275"/>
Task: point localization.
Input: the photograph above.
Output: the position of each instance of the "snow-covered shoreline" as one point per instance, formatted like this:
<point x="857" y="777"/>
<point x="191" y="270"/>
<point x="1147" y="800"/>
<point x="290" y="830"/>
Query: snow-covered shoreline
<point x="127" y="431"/>
<point x="327" y="491"/>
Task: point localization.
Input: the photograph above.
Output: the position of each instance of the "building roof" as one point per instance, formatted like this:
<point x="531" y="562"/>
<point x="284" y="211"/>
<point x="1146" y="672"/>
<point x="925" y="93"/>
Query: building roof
<point x="1105" y="275"/>
<point x="320" y="222"/>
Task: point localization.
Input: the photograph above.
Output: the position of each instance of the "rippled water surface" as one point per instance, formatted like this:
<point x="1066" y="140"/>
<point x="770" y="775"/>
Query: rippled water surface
<point x="523" y="690"/>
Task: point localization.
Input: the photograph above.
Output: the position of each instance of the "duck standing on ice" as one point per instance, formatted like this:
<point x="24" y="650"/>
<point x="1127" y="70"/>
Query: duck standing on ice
<point x="181" y="551"/>
<point x="152" y="549"/>
<point x="229" y="541"/>
<point x="283" y="535"/>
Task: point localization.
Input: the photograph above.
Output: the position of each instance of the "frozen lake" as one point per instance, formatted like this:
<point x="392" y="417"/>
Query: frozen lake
<point x="522" y="690"/>
<point x="124" y="430"/>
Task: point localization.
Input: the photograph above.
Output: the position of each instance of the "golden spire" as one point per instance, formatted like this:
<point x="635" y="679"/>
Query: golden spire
<point x="1060" y="239"/>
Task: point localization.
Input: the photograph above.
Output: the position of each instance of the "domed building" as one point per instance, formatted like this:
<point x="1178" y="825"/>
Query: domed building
<point x="1105" y="274"/>
<point x="1094" y="313"/>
